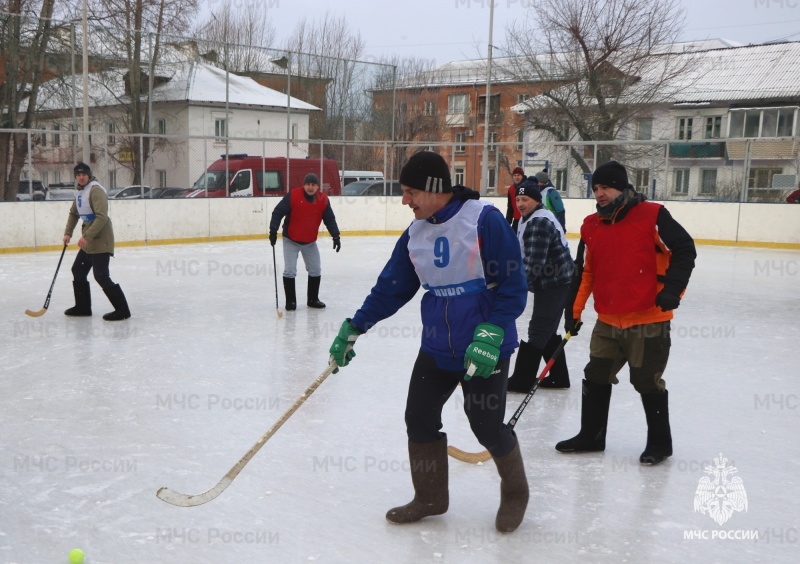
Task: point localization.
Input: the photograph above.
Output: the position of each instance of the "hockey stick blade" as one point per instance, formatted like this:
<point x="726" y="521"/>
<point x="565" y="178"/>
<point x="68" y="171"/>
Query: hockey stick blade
<point x="42" y="311"/>
<point x="475" y="457"/>
<point x="39" y="313"/>
<point x="186" y="500"/>
<point x="470" y="457"/>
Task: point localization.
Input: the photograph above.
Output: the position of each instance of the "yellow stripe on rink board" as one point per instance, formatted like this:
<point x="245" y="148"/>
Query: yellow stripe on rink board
<point x="375" y="233"/>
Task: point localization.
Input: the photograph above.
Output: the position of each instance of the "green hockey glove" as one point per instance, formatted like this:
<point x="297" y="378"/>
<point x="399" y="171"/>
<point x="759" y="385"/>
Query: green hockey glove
<point x="484" y="351"/>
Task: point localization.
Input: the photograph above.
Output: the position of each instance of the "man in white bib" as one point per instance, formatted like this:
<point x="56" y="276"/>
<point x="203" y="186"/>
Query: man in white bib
<point x="462" y="252"/>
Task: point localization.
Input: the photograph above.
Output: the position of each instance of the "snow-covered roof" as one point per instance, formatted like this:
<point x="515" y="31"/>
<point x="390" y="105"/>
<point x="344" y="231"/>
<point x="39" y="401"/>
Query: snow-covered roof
<point x="194" y="82"/>
<point x="741" y="74"/>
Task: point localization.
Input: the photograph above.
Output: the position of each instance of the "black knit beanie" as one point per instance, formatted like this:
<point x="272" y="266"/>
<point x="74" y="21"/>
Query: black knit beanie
<point x="611" y="174"/>
<point x="527" y="188"/>
<point x="427" y="171"/>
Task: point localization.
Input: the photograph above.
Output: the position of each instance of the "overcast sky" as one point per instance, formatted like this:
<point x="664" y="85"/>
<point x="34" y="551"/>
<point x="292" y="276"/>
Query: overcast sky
<point x="446" y="30"/>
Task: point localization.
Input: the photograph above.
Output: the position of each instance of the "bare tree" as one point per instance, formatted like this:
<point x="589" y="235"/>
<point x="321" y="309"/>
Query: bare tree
<point x="24" y="34"/>
<point x="593" y="67"/>
<point x="327" y="48"/>
<point x="244" y="31"/>
<point x="133" y="41"/>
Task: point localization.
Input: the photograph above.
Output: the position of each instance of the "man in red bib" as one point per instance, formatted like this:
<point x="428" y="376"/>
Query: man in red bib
<point x="638" y="261"/>
<point x="305" y="209"/>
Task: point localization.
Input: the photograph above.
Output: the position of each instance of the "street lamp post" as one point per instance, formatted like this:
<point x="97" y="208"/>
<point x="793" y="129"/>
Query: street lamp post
<point x="285" y="62"/>
<point x="485" y="162"/>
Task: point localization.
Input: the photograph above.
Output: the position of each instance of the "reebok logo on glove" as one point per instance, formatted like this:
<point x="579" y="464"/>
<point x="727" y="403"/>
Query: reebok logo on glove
<point x="483" y="333"/>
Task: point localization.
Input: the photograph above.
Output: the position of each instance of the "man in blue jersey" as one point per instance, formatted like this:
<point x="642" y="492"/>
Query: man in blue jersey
<point x="461" y="251"/>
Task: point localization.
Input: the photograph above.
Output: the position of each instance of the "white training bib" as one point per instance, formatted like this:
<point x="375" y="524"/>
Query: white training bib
<point x="447" y="256"/>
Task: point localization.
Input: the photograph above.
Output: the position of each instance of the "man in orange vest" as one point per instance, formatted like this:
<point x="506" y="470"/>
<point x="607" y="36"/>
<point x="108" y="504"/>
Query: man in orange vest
<point x="638" y="261"/>
<point x="304" y="209"/>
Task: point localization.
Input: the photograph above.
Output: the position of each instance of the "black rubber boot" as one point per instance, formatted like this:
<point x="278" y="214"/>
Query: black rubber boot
<point x="429" y="476"/>
<point x="514" y="491"/>
<point x="526" y="368"/>
<point x="594" y="420"/>
<point x="291" y="294"/>
<point x="117" y="299"/>
<point x="313" y="292"/>
<point x="83" y="300"/>
<point x="659" y="436"/>
<point x="558" y="377"/>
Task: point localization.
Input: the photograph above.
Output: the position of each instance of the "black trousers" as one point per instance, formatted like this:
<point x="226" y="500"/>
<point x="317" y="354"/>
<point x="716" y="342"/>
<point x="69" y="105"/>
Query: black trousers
<point x="548" y="307"/>
<point x="97" y="262"/>
<point x="484" y="404"/>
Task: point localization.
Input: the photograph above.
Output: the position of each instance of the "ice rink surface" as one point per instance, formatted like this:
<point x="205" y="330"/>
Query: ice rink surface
<point x="96" y="416"/>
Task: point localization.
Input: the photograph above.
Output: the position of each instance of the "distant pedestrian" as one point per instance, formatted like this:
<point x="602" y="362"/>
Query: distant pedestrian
<point x="512" y="212"/>
<point x="551" y="198"/>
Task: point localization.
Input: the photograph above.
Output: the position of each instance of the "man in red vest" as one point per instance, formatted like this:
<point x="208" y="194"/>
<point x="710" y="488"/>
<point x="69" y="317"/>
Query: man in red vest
<point x="305" y="209"/>
<point x="638" y="261"/>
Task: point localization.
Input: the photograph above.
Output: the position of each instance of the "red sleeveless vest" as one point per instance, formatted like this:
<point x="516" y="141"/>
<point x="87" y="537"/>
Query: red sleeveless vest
<point x="624" y="260"/>
<point x="305" y="217"/>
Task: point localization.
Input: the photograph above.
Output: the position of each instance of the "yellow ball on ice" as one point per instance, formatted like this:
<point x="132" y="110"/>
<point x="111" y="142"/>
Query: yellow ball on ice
<point x="76" y="556"/>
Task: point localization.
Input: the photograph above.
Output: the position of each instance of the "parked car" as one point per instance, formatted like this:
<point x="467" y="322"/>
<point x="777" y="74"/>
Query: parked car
<point x="61" y="191"/>
<point x="170" y="192"/>
<point x="350" y="176"/>
<point x="31" y="190"/>
<point x="129" y="193"/>
<point x="373" y="188"/>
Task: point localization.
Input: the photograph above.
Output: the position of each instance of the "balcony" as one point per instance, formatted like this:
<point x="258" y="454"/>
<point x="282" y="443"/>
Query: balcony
<point x="700" y="150"/>
<point x="457" y="120"/>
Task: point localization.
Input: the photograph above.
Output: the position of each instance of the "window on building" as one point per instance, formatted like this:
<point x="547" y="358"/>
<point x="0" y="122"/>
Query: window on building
<point x="641" y="178"/>
<point x="708" y="181"/>
<point x="522" y="98"/>
<point x="111" y="139"/>
<point x="684" y="128"/>
<point x="766" y="122"/>
<point x="56" y="177"/>
<point x="220" y="128"/>
<point x="45" y="178"/>
<point x="494" y="105"/>
<point x="492" y="182"/>
<point x="458" y="177"/>
<point x="162" y="178"/>
<point x="458" y="104"/>
<point x="713" y="127"/>
<point x="73" y="136"/>
<point x="56" y="135"/>
<point x="294" y="131"/>
<point x="461" y="138"/>
<point x="112" y="179"/>
<point x="680" y="181"/>
<point x="161" y="126"/>
<point x="429" y="108"/>
<point x="561" y="179"/>
<point x="644" y="129"/>
<point x="42" y="139"/>
<point x="520" y="139"/>
<point x="762" y="177"/>
<point x="492" y="141"/>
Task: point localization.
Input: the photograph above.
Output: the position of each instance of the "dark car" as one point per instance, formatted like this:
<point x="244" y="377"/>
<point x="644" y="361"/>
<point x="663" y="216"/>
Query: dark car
<point x="31" y="190"/>
<point x="170" y="192"/>
<point x="373" y="188"/>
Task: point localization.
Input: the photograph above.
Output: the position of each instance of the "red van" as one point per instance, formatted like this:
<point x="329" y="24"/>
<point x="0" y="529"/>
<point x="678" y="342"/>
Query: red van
<point x="263" y="176"/>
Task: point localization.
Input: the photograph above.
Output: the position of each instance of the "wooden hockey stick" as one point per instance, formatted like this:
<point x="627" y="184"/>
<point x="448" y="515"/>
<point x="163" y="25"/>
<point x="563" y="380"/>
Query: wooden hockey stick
<point x="42" y="311"/>
<point x="186" y="500"/>
<point x="475" y="457"/>
<point x="275" y="270"/>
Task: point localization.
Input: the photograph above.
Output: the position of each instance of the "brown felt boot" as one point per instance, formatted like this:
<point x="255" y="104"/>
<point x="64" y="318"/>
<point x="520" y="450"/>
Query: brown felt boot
<point x="429" y="476"/>
<point x="513" y="491"/>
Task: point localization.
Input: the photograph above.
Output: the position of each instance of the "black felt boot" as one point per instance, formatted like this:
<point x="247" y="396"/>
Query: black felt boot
<point x="659" y="436"/>
<point x="514" y="491"/>
<point x="83" y="300"/>
<point x="429" y="475"/>
<point x="313" y="292"/>
<point x="291" y="294"/>
<point x="594" y="420"/>
<point x="117" y="299"/>
<point x="558" y="377"/>
<point x="526" y="368"/>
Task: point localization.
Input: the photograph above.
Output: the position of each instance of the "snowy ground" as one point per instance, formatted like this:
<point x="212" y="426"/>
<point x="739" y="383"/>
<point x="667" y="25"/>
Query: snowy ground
<point x="96" y="416"/>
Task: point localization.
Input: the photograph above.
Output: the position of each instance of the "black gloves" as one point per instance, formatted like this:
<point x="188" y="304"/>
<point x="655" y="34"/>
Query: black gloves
<point x="572" y="326"/>
<point x="667" y="300"/>
<point x="273" y="238"/>
<point x="337" y="244"/>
